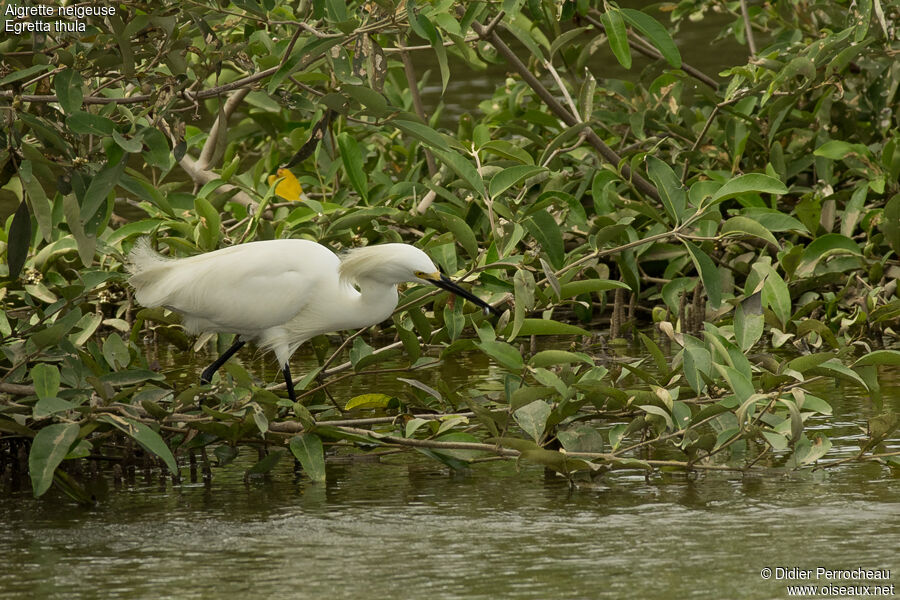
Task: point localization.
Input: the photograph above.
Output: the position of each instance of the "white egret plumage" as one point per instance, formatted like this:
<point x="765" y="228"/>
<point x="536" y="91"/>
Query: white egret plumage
<point x="281" y="293"/>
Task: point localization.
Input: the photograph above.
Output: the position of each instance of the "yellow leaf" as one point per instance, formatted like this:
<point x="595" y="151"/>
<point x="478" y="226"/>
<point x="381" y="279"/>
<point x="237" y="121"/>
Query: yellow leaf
<point x="368" y="401"/>
<point x="288" y="188"/>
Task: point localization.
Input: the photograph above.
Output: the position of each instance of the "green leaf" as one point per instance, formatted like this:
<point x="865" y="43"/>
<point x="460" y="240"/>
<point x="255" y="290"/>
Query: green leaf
<point x="512" y="176"/>
<point x="657" y="410"/>
<point x="546" y="327"/>
<point x="880" y="357"/>
<point x="116" y="352"/>
<point x="374" y="101"/>
<point x="545" y="358"/>
<point x="37" y="200"/>
<point x="507" y="150"/>
<point x="890" y="223"/>
<point x="454" y="320"/>
<point x="368" y="401"/>
<point x="130" y="145"/>
<point x="670" y="191"/>
<point x="802" y="364"/>
<point x="210" y="223"/>
<point x="834" y="368"/>
<point x="564" y="40"/>
<point x="352" y="158"/>
<point x="148" y="439"/>
<point x="614" y="25"/>
<point x="563" y="138"/>
<point x="527" y="394"/>
<point x="658" y="357"/>
<point x="260" y="418"/>
<point x="46" y="380"/>
<point x="532" y="418"/>
<point x="308" y="449"/>
<point x="49" y="447"/>
<point x="157" y="153"/>
<point x="131" y="377"/>
<point x="68" y="86"/>
<point x="709" y="275"/>
<point x="359" y="351"/>
<point x="544" y="229"/>
<point x="749" y="322"/>
<point x="697" y="362"/>
<point x="748" y="226"/>
<point x="463" y="168"/>
<point x="99" y="189"/>
<point x="837" y="150"/>
<point x="503" y="353"/>
<point x="437" y="44"/>
<point x="423" y="133"/>
<point x="739" y="383"/>
<point x="749" y="183"/>
<point x="315" y="46"/>
<point x="775" y="292"/>
<point x="48" y="406"/>
<point x="581" y="438"/>
<point x="808" y="452"/>
<point x="87" y="244"/>
<point x="588" y="286"/>
<point x="814" y="403"/>
<point x="19" y="240"/>
<point x="86" y="123"/>
<point x="455" y="453"/>
<point x="773" y="220"/>
<point x="822" y="247"/>
<point x="462" y="233"/>
<point x="656" y="33"/>
<point x="671" y="291"/>
<point x="776" y="440"/>
<point x="19" y="74"/>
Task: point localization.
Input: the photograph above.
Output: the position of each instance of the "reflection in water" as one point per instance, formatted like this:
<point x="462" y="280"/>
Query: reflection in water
<point x="406" y="528"/>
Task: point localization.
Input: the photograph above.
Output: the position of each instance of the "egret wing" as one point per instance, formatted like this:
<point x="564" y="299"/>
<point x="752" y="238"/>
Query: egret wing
<point x="247" y="288"/>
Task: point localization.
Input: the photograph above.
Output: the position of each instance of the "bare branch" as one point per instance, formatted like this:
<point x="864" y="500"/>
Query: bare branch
<point x="219" y="128"/>
<point x="748" y="29"/>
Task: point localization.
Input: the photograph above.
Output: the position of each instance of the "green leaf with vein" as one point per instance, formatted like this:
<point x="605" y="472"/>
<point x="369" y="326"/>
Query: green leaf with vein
<point x="49" y="447"/>
<point x="656" y="34"/>
<point x="147" y="438"/>
<point x="308" y="449"/>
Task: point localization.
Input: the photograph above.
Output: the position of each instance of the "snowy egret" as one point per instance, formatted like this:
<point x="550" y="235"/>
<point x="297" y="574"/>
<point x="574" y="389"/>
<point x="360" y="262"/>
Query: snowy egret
<point x="280" y="293"/>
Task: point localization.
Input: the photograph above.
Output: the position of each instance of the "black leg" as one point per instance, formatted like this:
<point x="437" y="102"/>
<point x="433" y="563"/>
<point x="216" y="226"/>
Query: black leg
<point x="206" y="375"/>
<point x="289" y="382"/>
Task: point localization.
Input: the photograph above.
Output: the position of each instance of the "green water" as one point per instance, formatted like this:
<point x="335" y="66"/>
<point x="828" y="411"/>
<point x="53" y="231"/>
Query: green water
<point x="407" y="527"/>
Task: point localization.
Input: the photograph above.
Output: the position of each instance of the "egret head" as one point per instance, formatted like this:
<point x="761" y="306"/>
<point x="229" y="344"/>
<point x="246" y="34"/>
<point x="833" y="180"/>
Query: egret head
<point x="386" y="263"/>
<point x="397" y="263"/>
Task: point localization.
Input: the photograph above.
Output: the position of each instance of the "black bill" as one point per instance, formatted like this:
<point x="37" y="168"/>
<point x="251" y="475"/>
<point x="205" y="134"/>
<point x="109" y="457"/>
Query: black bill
<point x="445" y="283"/>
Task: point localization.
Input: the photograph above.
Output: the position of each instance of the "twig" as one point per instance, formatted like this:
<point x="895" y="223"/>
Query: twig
<point x="748" y="29"/>
<point x="413" y="85"/>
<point x="220" y="126"/>
<point x="17" y="389"/>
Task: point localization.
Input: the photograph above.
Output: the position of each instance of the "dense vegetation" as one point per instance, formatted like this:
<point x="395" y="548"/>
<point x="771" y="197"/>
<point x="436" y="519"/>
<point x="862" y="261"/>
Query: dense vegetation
<point x="705" y="217"/>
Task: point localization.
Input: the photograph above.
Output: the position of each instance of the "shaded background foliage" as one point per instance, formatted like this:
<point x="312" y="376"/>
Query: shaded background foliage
<point x="754" y="207"/>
